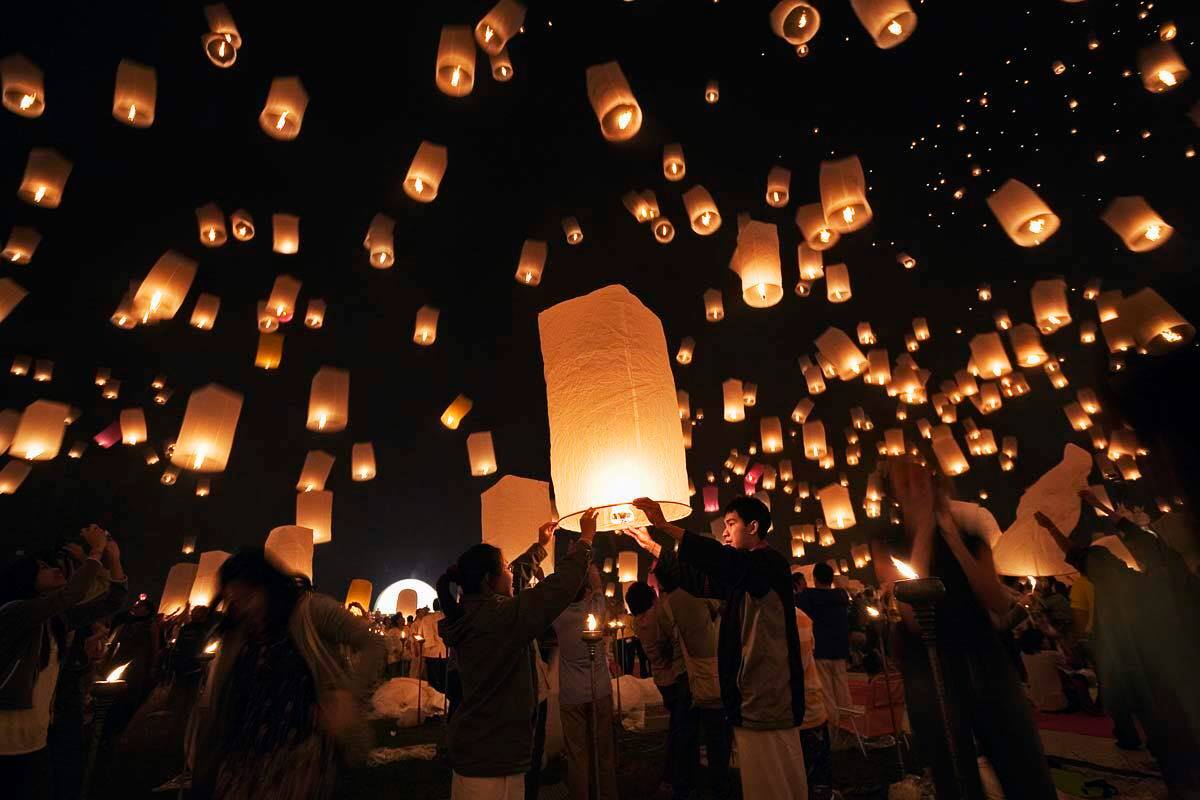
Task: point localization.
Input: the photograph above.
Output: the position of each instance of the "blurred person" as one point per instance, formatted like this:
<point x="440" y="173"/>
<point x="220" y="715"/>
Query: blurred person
<point x="661" y="642"/>
<point x="491" y="633"/>
<point x="814" y="732"/>
<point x="395" y="639"/>
<point x="828" y="608"/>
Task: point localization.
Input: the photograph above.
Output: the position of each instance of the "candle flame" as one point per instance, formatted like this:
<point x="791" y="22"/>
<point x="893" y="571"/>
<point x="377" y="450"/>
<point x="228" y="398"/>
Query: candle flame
<point x="419" y="185"/>
<point x="623" y="119"/>
<point x="39" y="194"/>
<point x="824" y="235"/>
<point x="1169" y="335"/>
<point x="116" y="674"/>
<point x="908" y="572"/>
<point x="279" y="123"/>
<point x="1032" y="583"/>
<point x="872" y="611"/>
<point x="1166" y="77"/>
<point x="1037" y="225"/>
<point x="488" y="33"/>
<point x="212" y="234"/>
<point x="212" y="646"/>
<point x="1153" y="232"/>
<point x="322" y="418"/>
<point x="895" y="28"/>
<point x="848" y="214"/>
<point x="198" y="458"/>
<point x="591" y="622"/>
<point x="132" y="111"/>
<point x="27" y="101"/>
<point x="456" y="76"/>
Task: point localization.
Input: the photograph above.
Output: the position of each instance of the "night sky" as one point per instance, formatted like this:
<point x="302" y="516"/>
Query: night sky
<point x="522" y="155"/>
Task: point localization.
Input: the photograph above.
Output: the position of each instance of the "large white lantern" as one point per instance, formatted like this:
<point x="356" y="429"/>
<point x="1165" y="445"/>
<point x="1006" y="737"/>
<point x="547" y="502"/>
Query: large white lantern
<point x="757" y="261"/>
<point x="314" y="510"/>
<point x="177" y="589"/>
<point x="290" y="549"/>
<point x="206" y="435"/>
<point x="204" y="587"/>
<point x="614" y="418"/>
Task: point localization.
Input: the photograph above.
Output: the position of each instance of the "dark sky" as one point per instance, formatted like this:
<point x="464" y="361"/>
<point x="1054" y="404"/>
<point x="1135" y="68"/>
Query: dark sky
<point x="521" y="156"/>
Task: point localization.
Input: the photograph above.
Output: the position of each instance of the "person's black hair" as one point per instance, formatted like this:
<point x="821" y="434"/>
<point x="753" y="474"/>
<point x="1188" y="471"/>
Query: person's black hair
<point x="823" y="574"/>
<point x="639" y="597"/>
<point x="473" y="567"/>
<point x="437" y="604"/>
<point x="799" y="581"/>
<point x="18" y="581"/>
<point x="668" y="579"/>
<point x="1031" y="641"/>
<point x="250" y="566"/>
<point x="751" y="509"/>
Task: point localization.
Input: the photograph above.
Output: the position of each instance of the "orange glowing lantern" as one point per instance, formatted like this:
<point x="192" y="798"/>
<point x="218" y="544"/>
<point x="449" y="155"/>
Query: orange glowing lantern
<point x="795" y="21"/>
<point x="616" y="108"/>
<point x="837" y="283"/>
<point x="380" y="241"/>
<point x="286" y="231"/>
<point x="133" y="426"/>
<point x="45" y="178"/>
<point x="779" y="180"/>
<point x="499" y="25"/>
<point x="818" y="234"/>
<point x="206" y="434"/>
<point x="675" y="167"/>
<point x="454" y="413"/>
<point x="714" y="306"/>
<point x="1023" y="215"/>
<point x="362" y="461"/>
<point x="426" y="171"/>
<point x="222" y="41"/>
<point x="22" y="242"/>
<point x="270" y="351"/>
<point x="283" y="113"/>
<point x="1027" y="345"/>
<point x="315" y="471"/>
<point x="889" y="22"/>
<point x="481" y="454"/>
<point x="531" y="263"/>
<point x="243" y="225"/>
<point x="329" y="400"/>
<point x="757" y="261"/>
<point x="1141" y="229"/>
<point x="1155" y="325"/>
<point x="212" y="225"/>
<point x="161" y="293"/>
<point x="22" y="85"/>
<point x="134" y="94"/>
<point x="1161" y="67"/>
<point x="844" y="195"/>
<point x="572" y="231"/>
<point x="687" y="346"/>
<point x="314" y="510"/>
<point x="315" y="316"/>
<point x="701" y="210"/>
<point x="39" y="433"/>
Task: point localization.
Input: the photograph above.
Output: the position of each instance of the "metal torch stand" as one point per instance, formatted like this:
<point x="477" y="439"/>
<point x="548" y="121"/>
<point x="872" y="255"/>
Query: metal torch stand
<point x="420" y="669"/>
<point x="887" y="684"/>
<point x="103" y="701"/>
<point x="595" y="765"/>
<point x="926" y="614"/>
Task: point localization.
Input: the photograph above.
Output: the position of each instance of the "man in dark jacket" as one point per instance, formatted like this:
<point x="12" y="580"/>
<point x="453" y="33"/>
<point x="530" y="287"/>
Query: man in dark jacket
<point x="758" y="649"/>
<point x="829" y="609"/>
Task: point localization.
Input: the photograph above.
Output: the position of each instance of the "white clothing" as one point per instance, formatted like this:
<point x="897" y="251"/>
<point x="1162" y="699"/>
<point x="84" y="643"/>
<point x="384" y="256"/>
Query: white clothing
<point x="24" y="730"/>
<point x="772" y="764"/>
<point x="427" y="626"/>
<point x="506" y="787"/>
<point x="835" y="686"/>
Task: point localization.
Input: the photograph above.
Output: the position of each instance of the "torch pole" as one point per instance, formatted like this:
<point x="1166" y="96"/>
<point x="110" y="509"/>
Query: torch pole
<point x="591" y="646"/>
<point x="420" y="669"/>
<point x="104" y="696"/>
<point x="887" y="684"/>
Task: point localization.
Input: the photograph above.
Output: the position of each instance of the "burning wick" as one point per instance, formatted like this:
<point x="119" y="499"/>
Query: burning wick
<point x="27" y="101"/>
<point x="1032" y="583"/>
<point x="116" y="674"/>
<point x="904" y="569"/>
<point x="212" y="647"/>
<point x="623" y="119"/>
<point x="591" y="622"/>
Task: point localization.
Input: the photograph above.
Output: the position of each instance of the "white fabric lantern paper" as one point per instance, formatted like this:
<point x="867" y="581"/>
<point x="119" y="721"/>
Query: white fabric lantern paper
<point x="315" y="471"/>
<point x="511" y="512"/>
<point x="290" y="549"/>
<point x="39" y="434"/>
<point x="1026" y="548"/>
<point x="314" y="510"/>
<point x="757" y="261"/>
<point x="177" y="589"/>
<point x="204" y="587"/>
<point x="206" y="434"/>
<point x="614" y="418"/>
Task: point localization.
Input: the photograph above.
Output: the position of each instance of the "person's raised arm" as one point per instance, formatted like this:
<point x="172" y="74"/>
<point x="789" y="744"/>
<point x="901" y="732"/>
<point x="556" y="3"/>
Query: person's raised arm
<point x="538" y="606"/>
<point x="337" y="625"/>
<point x="114" y="594"/>
<point x="979" y="569"/>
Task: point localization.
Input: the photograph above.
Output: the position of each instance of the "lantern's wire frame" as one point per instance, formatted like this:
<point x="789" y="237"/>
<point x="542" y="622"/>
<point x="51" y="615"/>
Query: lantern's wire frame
<point x="566" y="520"/>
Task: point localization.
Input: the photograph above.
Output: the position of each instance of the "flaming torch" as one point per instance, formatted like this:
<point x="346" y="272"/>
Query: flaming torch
<point x="593" y="635"/>
<point x="105" y="694"/>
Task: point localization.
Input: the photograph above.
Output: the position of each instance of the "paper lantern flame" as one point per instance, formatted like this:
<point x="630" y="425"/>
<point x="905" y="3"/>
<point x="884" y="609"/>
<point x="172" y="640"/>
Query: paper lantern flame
<point x="908" y="572"/>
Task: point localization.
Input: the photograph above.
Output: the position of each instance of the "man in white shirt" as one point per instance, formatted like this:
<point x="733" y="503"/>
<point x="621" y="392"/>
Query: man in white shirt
<point x="433" y="649"/>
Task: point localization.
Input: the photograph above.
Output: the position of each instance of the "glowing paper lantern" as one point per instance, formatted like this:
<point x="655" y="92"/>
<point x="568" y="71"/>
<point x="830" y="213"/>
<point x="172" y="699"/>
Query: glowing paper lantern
<point x="43" y="370"/>
<point x="841" y="351"/>
<point x="499" y="25"/>
<point x="12" y="476"/>
<point x="329" y="400"/>
<point x="39" y="433"/>
<point x="315" y="316"/>
<point x="282" y="300"/>
<point x="844" y="195"/>
<point x="1023" y="215"/>
<point x="177" y="588"/>
<point x="627" y="566"/>
<point x="988" y="399"/>
<point x="779" y="180"/>
<point x="1107" y="304"/>
<point x="161" y="293"/>
<point x="802" y="410"/>
<point x="814" y="440"/>
<point x="204" y="314"/>
<point x="455" y="70"/>
<point x="222" y="41"/>
<point x="207" y="579"/>
<point x="1027" y="345"/>
<point x="289" y="548"/>
<point x="112" y="388"/>
<point x="757" y="261"/>
<point x="1078" y="418"/>
<point x="701" y="210"/>
<point x="270" y="351"/>
<point x="45" y="178"/>
<point x="572" y="231"/>
<point x="362" y="461"/>
<point x="794" y="21"/>
<point x="511" y="511"/>
<point x="837" y="283"/>
<point x="133" y="97"/>
<point x="502" y="68"/>
<point x="1161" y="67"/>
<point x="731" y="391"/>
<point x="614" y="432"/>
<point x="889" y="22"/>
<point x="426" y="171"/>
<point x="664" y="230"/>
<point x="206" y="434"/>
<point x="23" y="89"/>
<point x="406" y="603"/>
<point x="267" y="321"/>
<point x="359" y="592"/>
<point x="133" y="426"/>
<point x="425" y="331"/>
<point x="920" y="329"/>
<point x="836" y="505"/>
<point x="286" y="232"/>
<point x="894" y="441"/>
<point x="454" y="413"/>
<point x="616" y="108"/>
<point x="1117" y="335"/>
<point x="481" y="454"/>
<point x="314" y="510"/>
<point x="1155" y="325"/>
<point x="211" y="222"/>
<point x="22" y="242"/>
<point x="687" y="346"/>
<point x="989" y="355"/>
<point x="11" y="294"/>
<point x="315" y="471"/>
<point x="1139" y="226"/>
<point x="685" y="404"/>
<point x="818" y="234"/>
<point x="674" y="167"/>
<point x="771" y="433"/>
<point x="712" y="93"/>
<point x="714" y="306"/>
<point x="950" y="457"/>
<point x="243" y="225"/>
<point x="879" y="371"/>
<point x="531" y="263"/>
<point x="283" y="112"/>
<point x="1049" y="298"/>
<point x="380" y="241"/>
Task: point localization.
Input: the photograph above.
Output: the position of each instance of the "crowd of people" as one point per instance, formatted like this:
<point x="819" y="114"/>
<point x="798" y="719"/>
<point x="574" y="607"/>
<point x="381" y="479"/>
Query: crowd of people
<point x="264" y="694"/>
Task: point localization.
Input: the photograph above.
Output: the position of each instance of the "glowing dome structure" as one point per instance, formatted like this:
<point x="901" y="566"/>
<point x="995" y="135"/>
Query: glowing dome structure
<point x="386" y="601"/>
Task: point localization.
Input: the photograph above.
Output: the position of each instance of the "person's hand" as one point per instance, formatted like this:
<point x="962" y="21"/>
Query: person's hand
<point x="546" y="533"/>
<point x="1044" y="521"/>
<point x="913" y="489"/>
<point x="96" y="538"/>
<point x="112" y="550"/>
<point x="75" y="552"/>
<point x="644" y="540"/>
<point x="338" y="711"/>
<point x="652" y="510"/>
<point x="587" y="525"/>
<point x="948" y="527"/>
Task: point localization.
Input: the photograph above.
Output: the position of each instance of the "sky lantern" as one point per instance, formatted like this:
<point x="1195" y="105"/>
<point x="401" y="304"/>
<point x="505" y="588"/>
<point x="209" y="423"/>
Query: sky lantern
<point x="1155" y="325"/>
<point x="425" y="331"/>
<point x="818" y="234"/>
<point x="613" y="101"/>
<point x="815" y="379"/>
<point x="502" y="68"/>
<point x="286" y="231"/>
<point x="499" y="25"/>
<point x="359" y="592"/>
<point x="687" y="346"/>
<point x="1088" y="400"/>
<point x="45" y="178"/>
<point x="20" y="366"/>
<point x="836" y="505"/>
<point x="270" y="351"/>
<point x="1049" y="298"/>
<point x="426" y="171"/>
<point x="1161" y="67"/>
<point x="771" y="434"/>
<point x="204" y="314"/>
<point x="22" y="84"/>
<point x="734" y="401"/>
<point x="866" y="336"/>
<point x="379" y="241"/>
<point x="267" y="321"/>
<point x="714" y="306"/>
<point x="814" y="440"/>
<point x="988" y="399"/>
<point x="1108" y="303"/>
<point x="844" y="195"/>
<point x="243" y="225"/>
<point x="204" y="586"/>
<point x="811" y="263"/>
<point x="757" y="261"/>
<point x="642" y="205"/>
<point x="1117" y="335"/>
<point x="134" y="94"/>
<point x="889" y="22"/>
<point x="950" y="457"/>
<point x="133" y="426"/>
<point x="282" y="300"/>
<point x="39" y="433"/>
<point x="1091" y="289"/>
<point x="920" y="329"/>
<point x="837" y="283"/>
<point x="481" y="454"/>
<point x="989" y="355"/>
<point x="1122" y="442"/>
<point x="511" y="509"/>
<point x="749" y="398"/>
<point x="12" y="476"/>
<point x="613" y="413"/>
<point x="362" y="461"/>
<point x="222" y="41"/>
<point x="627" y="566"/>
<point x="1027" y="345"/>
<point x="169" y="476"/>
<point x="455" y="72"/>
<point x="984" y="292"/>
<point x="879" y="370"/>
<point x="289" y="548"/>
<point x="1078" y="418"/>
<point x="314" y="317"/>
<point x="779" y="181"/>
<point x="314" y="473"/>
<point x="283" y="112"/>
<point x="701" y="210"/>
<point x="1025" y="217"/>
<point x="712" y="92"/>
<point x="966" y="381"/>
<point x="532" y="262"/>
<point x="177" y="588"/>
<point x="43" y="370"/>
<point x="165" y="286"/>
<point x="675" y="167"/>
<point x="712" y="502"/>
<point x="22" y="242"/>
<point x="206" y="434"/>
<point x="111" y="389"/>
<point x="685" y="404"/>
<point x="329" y="400"/>
<point x="836" y="346"/>
<point x="1139" y="226"/>
<point x="893" y="439"/>
<point x="454" y="413"/>
<point x="314" y="510"/>
<point x="211" y="221"/>
<point x="803" y="409"/>
<point x="664" y="230"/>
<point x="572" y="231"/>
<point x="795" y="21"/>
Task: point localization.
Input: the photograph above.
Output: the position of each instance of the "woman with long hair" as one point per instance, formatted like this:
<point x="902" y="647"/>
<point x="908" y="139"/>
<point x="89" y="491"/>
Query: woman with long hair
<point x="39" y="611"/>
<point x="491" y="633"/>
<point x="282" y="703"/>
